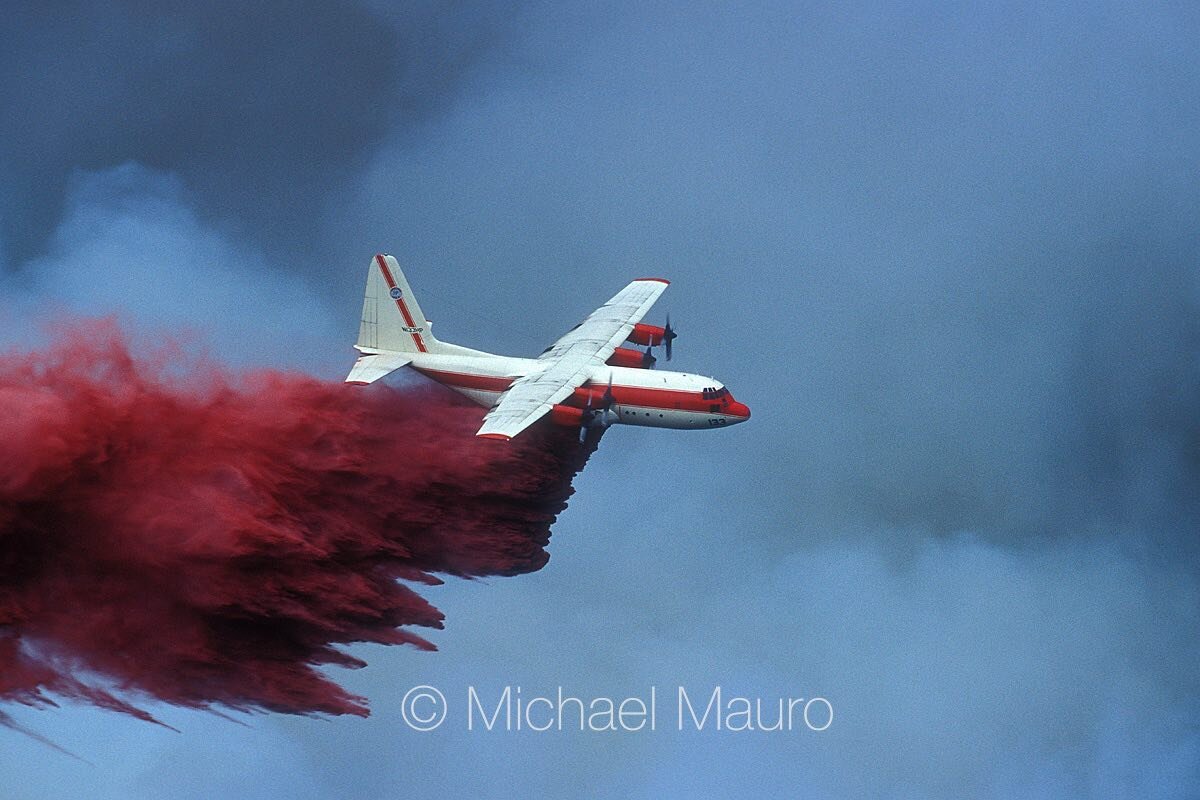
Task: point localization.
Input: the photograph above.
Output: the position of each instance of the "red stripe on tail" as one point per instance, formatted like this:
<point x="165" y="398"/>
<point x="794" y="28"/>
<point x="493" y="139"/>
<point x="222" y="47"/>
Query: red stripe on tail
<point x="400" y="304"/>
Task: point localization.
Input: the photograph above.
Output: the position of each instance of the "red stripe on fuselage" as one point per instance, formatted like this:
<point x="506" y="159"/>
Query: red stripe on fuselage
<point x="634" y="396"/>
<point x="400" y="304"/>
<point x="645" y="397"/>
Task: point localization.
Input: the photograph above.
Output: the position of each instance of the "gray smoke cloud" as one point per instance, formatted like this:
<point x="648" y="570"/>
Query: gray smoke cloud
<point x="259" y="109"/>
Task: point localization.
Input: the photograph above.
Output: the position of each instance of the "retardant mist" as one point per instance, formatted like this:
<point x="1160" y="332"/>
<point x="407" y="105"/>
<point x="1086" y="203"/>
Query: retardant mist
<point x="205" y="538"/>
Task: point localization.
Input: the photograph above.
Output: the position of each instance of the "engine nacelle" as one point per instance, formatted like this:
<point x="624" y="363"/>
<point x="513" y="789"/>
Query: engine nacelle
<point x="646" y="334"/>
<point x="628" y="357"/>
<point x="566" y="415"/>
<point x="584" y="394"/>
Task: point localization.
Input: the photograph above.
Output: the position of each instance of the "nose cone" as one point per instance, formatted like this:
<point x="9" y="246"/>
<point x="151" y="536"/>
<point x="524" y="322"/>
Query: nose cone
<point x="740" y="411"/>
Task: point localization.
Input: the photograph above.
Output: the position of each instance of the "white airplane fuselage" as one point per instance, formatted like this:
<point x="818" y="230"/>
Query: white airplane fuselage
<point x="648" y="397"/>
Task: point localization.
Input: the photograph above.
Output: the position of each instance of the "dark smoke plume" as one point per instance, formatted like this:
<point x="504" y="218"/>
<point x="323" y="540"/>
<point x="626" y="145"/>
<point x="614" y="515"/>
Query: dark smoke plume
<point x="205" y="539"/>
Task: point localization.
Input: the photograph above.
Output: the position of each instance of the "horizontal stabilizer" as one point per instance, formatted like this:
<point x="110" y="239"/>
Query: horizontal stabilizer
<point x="373" y="366"/>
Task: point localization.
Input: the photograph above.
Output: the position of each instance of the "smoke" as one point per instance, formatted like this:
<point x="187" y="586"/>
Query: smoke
<point x="204" y="538"/>
<point x="261" y="112"/>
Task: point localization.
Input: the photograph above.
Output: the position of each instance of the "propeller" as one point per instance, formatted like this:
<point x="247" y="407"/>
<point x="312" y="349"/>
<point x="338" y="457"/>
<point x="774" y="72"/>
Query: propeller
<point x="648" y="358"/>
<point x="598" y="418"/>
<point x="585" y="420"/>
<point x="606" y="404"/>
<point x="668" y="336"/>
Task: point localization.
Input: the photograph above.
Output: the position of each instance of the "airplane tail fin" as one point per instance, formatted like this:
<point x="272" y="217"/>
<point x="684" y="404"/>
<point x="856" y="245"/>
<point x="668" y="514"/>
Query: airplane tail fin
<point x="392" y="319"/>
<point x="394" y="330"/>
<point x="393" y="327"/>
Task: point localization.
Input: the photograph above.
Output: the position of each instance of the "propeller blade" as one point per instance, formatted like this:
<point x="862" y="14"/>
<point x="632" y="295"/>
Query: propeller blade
<point x="648" y="358"/>
<point x="668" y="336"/>
<point x="585" y="421"/>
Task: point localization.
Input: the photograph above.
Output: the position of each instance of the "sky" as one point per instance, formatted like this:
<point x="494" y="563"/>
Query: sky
<point x="947" y="253"/>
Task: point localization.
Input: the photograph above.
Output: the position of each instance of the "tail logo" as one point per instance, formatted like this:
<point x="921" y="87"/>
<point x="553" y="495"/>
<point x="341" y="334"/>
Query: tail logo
<point x="396" y="293"/>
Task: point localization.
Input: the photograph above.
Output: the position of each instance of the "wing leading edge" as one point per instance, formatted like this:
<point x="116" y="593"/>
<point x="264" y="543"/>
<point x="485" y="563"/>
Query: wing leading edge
<point x="570" y="360"/>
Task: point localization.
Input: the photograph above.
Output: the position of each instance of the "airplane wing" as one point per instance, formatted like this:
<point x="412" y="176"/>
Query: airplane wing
<point x="570" y="360"/>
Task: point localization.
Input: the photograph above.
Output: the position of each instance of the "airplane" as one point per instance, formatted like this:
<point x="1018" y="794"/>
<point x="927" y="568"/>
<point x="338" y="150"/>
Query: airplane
<point x="587" y="379"/>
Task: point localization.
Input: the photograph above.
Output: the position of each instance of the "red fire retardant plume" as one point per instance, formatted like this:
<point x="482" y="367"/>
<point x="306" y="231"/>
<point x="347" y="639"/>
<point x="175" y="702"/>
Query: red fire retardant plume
<point x="208" y="539"/>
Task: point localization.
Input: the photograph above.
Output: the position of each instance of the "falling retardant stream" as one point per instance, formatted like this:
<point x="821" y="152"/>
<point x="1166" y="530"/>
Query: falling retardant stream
<point x="210" y="539"/>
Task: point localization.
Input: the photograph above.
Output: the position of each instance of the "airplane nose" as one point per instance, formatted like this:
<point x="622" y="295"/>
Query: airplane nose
<point x="740" y="410"/>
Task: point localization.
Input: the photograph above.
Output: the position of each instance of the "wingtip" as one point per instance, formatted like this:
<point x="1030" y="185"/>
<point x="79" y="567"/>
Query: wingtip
<point x="500" y="437"/>
<point x="656" y="280"/>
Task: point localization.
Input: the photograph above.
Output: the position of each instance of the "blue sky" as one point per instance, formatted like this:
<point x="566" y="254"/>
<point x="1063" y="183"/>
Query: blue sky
<point x="947" y="254"/>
